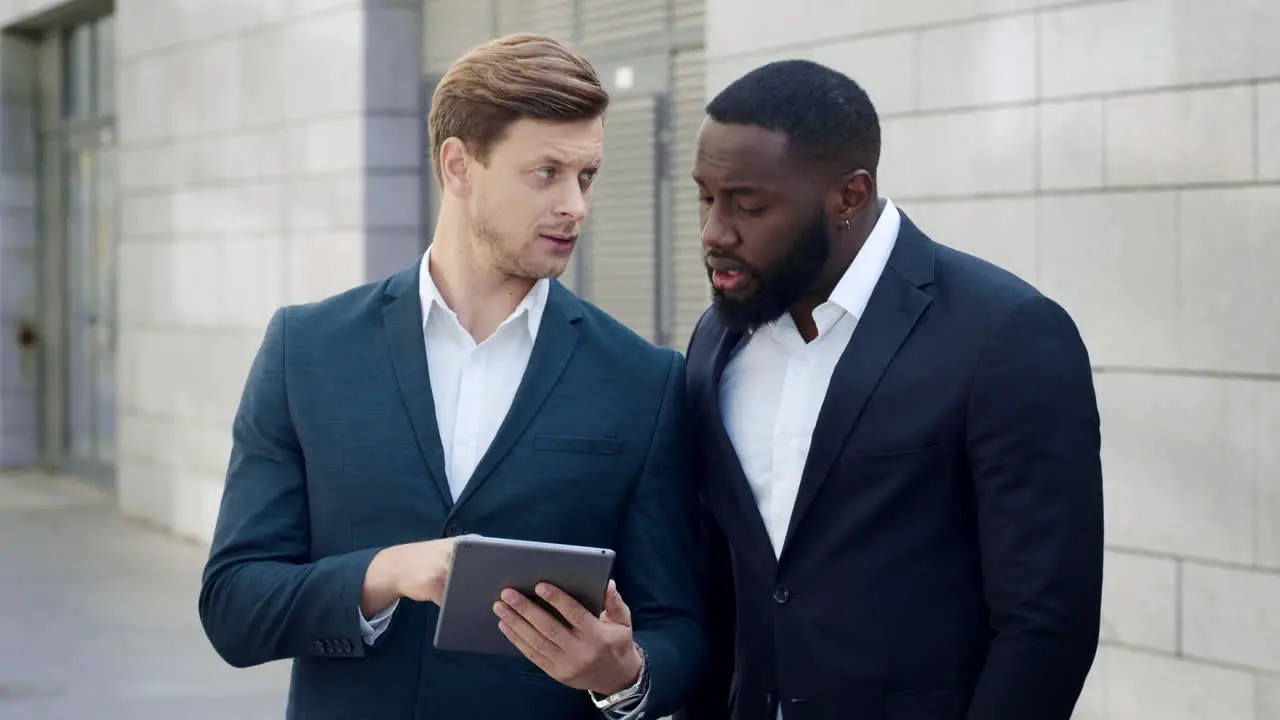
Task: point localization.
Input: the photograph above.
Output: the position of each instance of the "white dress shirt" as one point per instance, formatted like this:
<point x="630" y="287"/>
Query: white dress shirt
<point x="774" y="384"/>
<point x="473" y="385"/>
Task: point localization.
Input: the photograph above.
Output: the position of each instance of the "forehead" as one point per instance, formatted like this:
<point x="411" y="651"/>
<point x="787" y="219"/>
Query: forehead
<point x="575" y="142"/>
<point x="742" y="154"/>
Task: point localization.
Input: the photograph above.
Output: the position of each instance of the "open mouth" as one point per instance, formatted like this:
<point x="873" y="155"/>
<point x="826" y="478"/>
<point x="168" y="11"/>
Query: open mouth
<point x="727" y="275"/>
<point x="728" y="280"/>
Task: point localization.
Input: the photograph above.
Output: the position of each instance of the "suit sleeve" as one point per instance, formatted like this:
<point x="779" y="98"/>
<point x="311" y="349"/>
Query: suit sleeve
<point x="658" y="561"/>
<point x="262" y="596"/>
<point x="1034" y="446"/>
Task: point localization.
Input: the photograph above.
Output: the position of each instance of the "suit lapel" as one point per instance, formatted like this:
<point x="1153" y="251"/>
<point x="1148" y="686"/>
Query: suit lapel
<point x="895" y="305"/>
<point x="402" y="317"/>
<point x="557" y="337"/>
<point x="734" y="475"/>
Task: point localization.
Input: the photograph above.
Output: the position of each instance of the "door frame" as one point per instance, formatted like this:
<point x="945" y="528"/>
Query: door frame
<point x="58" y="140"/>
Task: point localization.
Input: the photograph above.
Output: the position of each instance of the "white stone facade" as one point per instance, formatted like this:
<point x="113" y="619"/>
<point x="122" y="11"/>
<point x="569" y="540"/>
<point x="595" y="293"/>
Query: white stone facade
<point x="1123" y="155"/>
<point x="269" y="153"/>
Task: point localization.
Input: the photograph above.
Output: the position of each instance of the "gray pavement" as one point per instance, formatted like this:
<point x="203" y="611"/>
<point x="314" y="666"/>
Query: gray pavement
<point x="98" y="617"/>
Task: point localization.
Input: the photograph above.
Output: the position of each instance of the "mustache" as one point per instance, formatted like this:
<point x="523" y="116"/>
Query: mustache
<point x="723" y="262"/>
<point x="565" y="231"/>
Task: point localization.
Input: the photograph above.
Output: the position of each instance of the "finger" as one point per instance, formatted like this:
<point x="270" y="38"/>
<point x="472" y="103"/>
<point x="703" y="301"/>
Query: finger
<point x="614" y="608"/>
<point x="547" y="635"/>
<point x="538" y="644"/>
<point x="535" y="657"/>
<point x="571" y="609"/>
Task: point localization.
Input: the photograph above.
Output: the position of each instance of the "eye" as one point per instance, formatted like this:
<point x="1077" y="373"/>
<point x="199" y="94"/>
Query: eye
<point x="706" y="200"/>
<point x="588" y="176"/>
<point x="753" y="211"/>
<point x="546" y="173"/>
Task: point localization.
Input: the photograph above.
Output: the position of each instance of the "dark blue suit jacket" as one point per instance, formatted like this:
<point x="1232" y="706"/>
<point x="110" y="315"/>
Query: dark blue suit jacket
<point x="336" y="454"/>
<point x="944" y="558"/>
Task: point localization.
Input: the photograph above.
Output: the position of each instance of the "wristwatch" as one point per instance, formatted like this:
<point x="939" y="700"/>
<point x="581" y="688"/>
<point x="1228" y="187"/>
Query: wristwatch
<point x="636" y="690"/>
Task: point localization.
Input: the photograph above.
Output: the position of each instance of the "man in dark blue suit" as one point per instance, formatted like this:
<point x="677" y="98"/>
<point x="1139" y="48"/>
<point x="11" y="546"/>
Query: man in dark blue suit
<point x="471" y="393"/>
<point x="901" y="441"/>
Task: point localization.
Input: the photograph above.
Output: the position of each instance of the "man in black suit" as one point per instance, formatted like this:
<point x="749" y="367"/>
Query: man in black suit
<point x="901" y="441"/>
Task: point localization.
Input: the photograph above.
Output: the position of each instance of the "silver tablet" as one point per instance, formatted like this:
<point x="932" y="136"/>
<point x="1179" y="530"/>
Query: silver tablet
<point x="483" y="567"/>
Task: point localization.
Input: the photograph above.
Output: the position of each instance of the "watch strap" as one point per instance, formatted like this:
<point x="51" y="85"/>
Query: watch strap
<point x="636" y="690"/>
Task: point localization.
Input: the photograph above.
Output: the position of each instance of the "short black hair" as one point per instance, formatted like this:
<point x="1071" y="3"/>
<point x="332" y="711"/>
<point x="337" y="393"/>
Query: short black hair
<point x="824" y="113"/>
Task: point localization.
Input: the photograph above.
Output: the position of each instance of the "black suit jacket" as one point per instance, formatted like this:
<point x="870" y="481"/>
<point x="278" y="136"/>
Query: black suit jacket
<point x="336" y="454"/>
<point x="944" y="558"/>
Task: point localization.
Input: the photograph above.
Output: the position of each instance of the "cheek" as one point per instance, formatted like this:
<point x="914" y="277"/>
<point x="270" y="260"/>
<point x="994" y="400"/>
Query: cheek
<point x="509" y="210"/>
<point x="764" y="245"/>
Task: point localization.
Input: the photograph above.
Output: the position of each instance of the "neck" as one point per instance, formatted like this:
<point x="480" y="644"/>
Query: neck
<point x="844" y="250"/>
<point x="479" y="294"/>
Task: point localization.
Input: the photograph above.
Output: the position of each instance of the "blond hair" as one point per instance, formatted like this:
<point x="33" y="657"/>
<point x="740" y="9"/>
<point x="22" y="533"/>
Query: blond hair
<point x="523" y="75"/>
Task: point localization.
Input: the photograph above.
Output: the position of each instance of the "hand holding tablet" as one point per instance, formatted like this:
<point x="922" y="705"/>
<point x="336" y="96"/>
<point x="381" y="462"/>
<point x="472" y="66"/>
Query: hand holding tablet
<point x="553" y="604"/>
<point x="592" y="652"/>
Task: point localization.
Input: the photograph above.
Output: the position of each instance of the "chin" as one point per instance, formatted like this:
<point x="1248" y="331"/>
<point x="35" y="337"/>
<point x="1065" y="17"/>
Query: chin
<point x="548" y="270"/>
<point x="746" y="312"/>
<point x="745" y="296"/>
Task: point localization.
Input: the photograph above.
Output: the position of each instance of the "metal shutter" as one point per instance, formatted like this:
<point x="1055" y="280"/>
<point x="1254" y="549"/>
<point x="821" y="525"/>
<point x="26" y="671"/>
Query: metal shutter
<point x="609" y="21"/>
<point x="452" y="27"/>
<point x="689" y="14"/>
<point x="691" y="288"/>
<point x="546" y="17"/>
<point x="430" y="183"/>
<point x="569" y="278"/>
<point x="621" y="241"/>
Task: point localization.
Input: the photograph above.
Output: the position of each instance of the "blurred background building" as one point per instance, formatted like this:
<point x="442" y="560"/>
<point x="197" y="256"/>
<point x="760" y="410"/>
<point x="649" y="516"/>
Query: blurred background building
<point x="172" y="171"/>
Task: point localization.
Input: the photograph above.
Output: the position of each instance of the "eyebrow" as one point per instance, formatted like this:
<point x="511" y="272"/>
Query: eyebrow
<point x="561" y="161"/>
<point x="736" y="188"/>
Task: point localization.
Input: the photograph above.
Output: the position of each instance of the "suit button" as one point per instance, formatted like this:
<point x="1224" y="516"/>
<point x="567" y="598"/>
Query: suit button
<point x="781" y="594"/>
<point x="452" y="530"/>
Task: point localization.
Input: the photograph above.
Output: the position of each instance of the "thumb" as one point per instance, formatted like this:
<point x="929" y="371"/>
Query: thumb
<point x="614" y="608"/>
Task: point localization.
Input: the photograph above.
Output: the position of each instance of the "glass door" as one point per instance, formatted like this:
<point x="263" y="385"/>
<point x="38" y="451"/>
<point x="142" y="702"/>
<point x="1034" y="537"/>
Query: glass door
<point x="105" y="241"/>
<point x="79" y="241"/>
<point x="90" y="285"/>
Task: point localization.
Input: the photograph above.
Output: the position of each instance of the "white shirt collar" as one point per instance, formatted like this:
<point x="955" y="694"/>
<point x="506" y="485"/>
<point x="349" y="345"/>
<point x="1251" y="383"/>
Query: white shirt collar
<point x="531" y="306"/>
<point x="852" y="293"/>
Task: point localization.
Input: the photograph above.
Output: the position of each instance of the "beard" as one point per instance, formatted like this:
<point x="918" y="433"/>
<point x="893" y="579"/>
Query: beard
<point x="777" y="289"/>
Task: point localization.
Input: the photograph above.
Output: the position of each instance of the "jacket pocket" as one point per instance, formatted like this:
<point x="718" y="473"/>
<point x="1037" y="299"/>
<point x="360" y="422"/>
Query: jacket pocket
<point x="934" y="702"/>
<point x="581" y="445"/>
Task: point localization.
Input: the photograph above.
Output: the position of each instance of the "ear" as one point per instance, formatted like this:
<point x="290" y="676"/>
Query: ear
<point x="855" y="192"/>
<point x="455" y="167"/>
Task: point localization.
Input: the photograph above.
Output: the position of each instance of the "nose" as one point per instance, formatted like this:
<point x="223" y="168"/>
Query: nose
<point x="716" y="234"/>
<point x="573" y="204"/>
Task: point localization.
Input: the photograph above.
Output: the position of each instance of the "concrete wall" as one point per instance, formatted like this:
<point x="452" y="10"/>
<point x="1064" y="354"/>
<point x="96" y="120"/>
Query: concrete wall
<point x="1123" y="155"/>
<point x="268" y="154"/>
